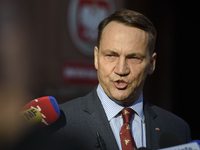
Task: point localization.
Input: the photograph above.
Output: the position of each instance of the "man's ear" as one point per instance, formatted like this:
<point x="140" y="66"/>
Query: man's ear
<point x="152" y="65"/>
<point x="96" y="53"/>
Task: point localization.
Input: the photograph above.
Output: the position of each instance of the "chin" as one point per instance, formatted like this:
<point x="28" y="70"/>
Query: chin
<point x="121" y="95"/>
<point x="123" y="102"/>
<point x="123" y="99"/>
<point x="120" y="98"/>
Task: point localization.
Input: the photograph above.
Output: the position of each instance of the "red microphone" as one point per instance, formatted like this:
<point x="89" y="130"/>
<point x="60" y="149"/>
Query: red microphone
<point x="47" y="106"/>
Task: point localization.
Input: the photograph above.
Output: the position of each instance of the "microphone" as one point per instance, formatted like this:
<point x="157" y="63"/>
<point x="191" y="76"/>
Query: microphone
<point x="197" y="141"/>
<point x="169" y="138"/>
<point x="171" y="141"/>
<point x="47" y="106"/>
<point x="189" y="146"/>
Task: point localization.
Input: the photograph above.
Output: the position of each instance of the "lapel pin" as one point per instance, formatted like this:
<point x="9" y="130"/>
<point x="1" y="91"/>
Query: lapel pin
<point x="157" y="129"/>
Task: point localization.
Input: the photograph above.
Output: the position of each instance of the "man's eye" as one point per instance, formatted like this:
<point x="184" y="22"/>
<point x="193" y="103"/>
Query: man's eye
<point x="110" y="55"/>
<point x="135" y="60"/>
<point x="133" y="57"/>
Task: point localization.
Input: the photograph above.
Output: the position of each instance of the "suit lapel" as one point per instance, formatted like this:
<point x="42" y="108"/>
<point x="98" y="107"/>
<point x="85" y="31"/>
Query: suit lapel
<point x="97" y="120"/>
<point x="153" y="128"/>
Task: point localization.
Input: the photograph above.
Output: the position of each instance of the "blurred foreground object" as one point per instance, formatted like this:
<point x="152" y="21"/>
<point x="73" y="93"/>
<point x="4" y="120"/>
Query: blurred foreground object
<point x="14" y="74"/>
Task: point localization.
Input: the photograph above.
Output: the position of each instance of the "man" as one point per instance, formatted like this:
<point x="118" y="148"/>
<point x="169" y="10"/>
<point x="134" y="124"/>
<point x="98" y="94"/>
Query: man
<point x="124" y="56"/>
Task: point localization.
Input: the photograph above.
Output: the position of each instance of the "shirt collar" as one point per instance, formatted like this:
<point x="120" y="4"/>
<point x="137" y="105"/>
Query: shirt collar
<point x="112" y="108"/>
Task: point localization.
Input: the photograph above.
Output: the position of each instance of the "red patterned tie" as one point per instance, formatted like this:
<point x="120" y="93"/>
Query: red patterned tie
<point x="127" y="140"/>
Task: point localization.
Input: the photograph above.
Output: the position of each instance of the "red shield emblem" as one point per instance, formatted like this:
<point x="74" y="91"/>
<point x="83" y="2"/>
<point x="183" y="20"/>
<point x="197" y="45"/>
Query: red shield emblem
<point x="84" y="17"/>
<point x="90" y="13"/>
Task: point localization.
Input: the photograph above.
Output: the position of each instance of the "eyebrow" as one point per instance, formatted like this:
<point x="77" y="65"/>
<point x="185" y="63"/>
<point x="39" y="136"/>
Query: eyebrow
<point x="108" y="51"/>
<point x="136" y="54"/>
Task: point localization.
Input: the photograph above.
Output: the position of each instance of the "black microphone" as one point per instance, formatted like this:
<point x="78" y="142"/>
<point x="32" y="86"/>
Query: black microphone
<point x="169" y="139"/>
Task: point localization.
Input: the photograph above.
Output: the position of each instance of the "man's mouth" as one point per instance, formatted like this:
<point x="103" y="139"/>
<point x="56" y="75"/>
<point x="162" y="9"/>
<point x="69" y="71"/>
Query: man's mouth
<point x="120" y="84"/>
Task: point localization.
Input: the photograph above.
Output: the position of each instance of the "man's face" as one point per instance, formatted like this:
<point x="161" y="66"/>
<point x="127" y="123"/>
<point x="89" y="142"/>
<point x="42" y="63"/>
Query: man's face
<point x="123" y="62"/>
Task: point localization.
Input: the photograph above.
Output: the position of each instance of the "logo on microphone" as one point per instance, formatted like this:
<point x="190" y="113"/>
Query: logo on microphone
<point x="39" y="109"/>
<point x="31" y="115"/>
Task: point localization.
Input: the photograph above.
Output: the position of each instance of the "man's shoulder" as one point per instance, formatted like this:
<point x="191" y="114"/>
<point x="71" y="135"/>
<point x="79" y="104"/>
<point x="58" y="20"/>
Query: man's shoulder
<point x="75" y="104"/>
<point x="164" y="114"/>
<point x="168" y="120"/>
<point x="80" y="102"/>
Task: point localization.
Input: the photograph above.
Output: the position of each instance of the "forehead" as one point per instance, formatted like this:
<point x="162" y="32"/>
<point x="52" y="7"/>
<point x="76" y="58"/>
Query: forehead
<point x="117" y="36"/>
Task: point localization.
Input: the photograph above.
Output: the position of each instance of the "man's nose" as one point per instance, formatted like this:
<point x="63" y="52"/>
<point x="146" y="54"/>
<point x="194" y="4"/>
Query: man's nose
<point x="122" y="68"/>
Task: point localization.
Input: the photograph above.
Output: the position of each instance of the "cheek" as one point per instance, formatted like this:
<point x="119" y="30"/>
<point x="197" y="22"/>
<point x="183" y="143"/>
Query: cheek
<point x="103" y="72"/>
<point x="139" y="73"/>
<point x="105" y="68"/>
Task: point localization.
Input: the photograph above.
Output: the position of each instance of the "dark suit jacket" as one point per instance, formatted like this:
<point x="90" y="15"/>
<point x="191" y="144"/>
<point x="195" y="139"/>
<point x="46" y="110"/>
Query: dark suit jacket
<point x="83" y="117"/>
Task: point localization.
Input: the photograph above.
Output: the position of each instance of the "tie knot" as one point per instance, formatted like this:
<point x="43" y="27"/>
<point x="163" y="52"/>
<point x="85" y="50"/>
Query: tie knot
<point x="127" y="114"/>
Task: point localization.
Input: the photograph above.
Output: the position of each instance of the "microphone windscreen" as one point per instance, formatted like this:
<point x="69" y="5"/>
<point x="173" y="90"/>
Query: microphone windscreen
<point x="169" y="138"/>
<point x="197" y="141"/>
<point x="48" y="107"/>
<point x="54" y="104"/>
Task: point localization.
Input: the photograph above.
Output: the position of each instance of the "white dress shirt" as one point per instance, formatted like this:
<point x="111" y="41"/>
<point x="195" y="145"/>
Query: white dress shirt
<point x="112" y="110"/>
